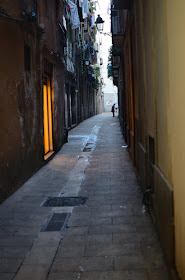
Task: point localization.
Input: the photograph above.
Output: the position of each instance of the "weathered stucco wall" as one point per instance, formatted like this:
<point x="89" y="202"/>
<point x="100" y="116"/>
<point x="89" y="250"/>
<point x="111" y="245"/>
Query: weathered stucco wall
<point x="176" y="62"/>
<point x="58" y="74"/>
<point x="21" y="100"/>
<point x="149" y="66"/>
<point x="157" y="120"/>
<point x="21" y="106"/>
<point x="147" y="33"/>
<point x="163" y="185"/>
<point x="160" y="48"/>
<point x="154" y="59"/>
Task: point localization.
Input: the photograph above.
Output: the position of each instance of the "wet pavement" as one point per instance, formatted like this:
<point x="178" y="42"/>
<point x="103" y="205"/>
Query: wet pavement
<point x="107" y="237"/>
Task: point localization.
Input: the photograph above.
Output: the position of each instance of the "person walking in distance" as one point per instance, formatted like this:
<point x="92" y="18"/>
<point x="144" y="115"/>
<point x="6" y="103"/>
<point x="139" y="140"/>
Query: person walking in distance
<point x="113" y="108"/>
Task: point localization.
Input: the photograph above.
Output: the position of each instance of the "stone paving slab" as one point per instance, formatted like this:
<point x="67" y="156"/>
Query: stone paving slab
<point x="83" y="264"/>
<point x="138" y="237"/>
<point x="30" y="272"/>
<point x="92" y="208"/>
<point x="116" y="275"/>
<point x="8" y="231"/>
<point x="14" y="241"/>
<point x="90" y="221"/>
<point x="17" y="252"/>
<point x="9" y="265"/>
<point x="136" y="262"/>
<point x="71" y="251"/>
<point x="6" y="276"/>
<point x="64" y="276"/>
<point x="136" y="220"/>
<point x="88" y="239"/>
<point x="113" y="250"/>
<point x="78" y="230"/>
<point x="114" y="213"/>
<point x="102" y="229"/>
<point x="158" y="274"/>
<point x="109" y="238"/>
<point x="41" y="256"/>
<point x="27" y="231"/>
<point x="49" y="239"/>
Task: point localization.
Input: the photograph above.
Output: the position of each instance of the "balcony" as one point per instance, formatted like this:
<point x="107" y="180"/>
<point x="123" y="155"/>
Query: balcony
<point x="61" y="39"/>
<point x="117" y="27"/>
<point x="115" y="62"/>
<point x="115" y="73"/>
<point x="119" y="19"/>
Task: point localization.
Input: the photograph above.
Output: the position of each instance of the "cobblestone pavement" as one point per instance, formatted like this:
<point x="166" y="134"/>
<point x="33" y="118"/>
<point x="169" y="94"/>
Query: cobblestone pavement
<point x="108" y="238"/>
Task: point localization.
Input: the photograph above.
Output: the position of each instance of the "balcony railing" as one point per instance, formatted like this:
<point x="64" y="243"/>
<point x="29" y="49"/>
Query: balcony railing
<point x="115" y="61"/>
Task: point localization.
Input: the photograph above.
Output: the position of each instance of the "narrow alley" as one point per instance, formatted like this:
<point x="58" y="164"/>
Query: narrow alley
<point x="107" y="236"/>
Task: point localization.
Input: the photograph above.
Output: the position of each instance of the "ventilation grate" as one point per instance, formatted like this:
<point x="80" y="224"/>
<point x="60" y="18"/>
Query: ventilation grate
<point x="65" y="201"/>
<point x="57" y="222"/>
<point x="87" y="149"/>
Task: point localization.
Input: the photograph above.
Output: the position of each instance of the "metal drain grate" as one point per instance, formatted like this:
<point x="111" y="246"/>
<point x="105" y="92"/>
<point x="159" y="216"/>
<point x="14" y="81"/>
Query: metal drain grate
<point x="65" y="201"/>
<point x="87" y="149"/>
<point x="57" y="222"/>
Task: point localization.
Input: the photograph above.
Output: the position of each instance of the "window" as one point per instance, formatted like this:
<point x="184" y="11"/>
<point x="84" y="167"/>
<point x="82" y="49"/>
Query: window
<point x="61" y="38"/>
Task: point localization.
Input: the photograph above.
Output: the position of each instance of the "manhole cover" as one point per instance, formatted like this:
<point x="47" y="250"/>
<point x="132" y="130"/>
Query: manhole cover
<point x="65" y="201"/>
<point x="57" y="222"/>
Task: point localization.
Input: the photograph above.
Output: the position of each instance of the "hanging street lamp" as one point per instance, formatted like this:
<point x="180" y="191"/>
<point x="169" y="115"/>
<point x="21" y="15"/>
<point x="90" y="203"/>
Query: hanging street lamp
<point x="99" y="23"/>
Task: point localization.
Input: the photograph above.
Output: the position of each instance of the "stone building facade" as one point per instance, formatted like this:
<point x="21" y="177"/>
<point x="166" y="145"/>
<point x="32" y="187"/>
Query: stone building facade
<point x="41" y="95"/>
